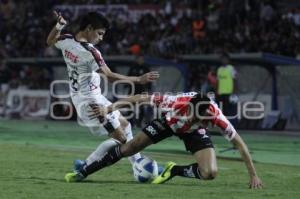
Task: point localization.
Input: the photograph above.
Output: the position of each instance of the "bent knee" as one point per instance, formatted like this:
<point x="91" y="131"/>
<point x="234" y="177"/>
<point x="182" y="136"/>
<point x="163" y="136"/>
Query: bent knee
<point x="209" y="174"/>
<point x="124" y="123"/>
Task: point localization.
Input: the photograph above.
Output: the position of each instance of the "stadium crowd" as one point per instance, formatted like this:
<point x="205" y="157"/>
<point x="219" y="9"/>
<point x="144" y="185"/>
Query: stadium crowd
<point x="208" y="26"/>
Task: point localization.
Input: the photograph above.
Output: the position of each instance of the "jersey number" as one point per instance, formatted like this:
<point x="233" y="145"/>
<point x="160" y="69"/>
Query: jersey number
<point x="73" y="78"/>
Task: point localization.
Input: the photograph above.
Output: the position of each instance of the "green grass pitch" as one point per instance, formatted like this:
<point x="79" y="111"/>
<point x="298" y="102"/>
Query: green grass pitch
<point x="34" y="156"/>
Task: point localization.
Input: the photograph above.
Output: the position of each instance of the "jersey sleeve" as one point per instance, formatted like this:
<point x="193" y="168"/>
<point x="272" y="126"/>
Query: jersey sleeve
<point x="62" y="41"/>
<point x="163" y="101"/>
<point x="97" y="59"/>
<point x="219" y="120"/>
<point x="233" y="72"/>
<point x="171" y="102"/>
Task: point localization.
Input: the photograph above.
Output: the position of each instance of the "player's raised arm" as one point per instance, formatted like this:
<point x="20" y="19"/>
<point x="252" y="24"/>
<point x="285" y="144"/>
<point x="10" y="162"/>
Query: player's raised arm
<point x="55" y="32"/>
<point x="143" y="79"/>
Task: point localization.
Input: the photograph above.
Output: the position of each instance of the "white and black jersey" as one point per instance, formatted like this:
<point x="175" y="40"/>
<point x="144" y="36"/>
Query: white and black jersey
<point x="83" y="60"/>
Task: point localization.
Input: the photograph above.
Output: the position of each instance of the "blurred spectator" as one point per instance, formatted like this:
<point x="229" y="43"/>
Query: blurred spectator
<point x="176" y="27"/>
<point x="226" y="75"/>
<point x="4" y="85"/>
<point x="135" y="49"/>
<point x="212" y="80"/>
<point x="198" y="29"/>
<point x="138" y="69"/>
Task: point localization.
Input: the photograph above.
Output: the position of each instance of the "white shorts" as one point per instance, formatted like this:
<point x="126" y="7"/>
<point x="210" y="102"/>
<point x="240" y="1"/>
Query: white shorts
<point x="83" y="109"/>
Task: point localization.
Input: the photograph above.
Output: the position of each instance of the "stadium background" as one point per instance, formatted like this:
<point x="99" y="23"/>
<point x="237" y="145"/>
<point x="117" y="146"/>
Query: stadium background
<point x="262" y="38"/>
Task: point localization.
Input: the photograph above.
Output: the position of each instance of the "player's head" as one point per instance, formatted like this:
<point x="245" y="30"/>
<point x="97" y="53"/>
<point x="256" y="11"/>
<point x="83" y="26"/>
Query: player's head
<point x="225" y="59"/>
<point x="94" y="25"/>
<point x="200" y="103"/>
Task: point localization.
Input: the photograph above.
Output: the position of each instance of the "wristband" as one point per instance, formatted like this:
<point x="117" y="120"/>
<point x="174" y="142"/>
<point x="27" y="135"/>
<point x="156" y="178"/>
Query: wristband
<point x="59" y="26"/>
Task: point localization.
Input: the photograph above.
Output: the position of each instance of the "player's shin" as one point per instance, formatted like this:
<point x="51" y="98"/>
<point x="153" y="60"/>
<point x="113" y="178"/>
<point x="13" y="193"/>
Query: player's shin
<point x="190" y="171"/>
<point x="101" y="150"/>
<point x="129" y="136"/>
<point x="111" y="157"/>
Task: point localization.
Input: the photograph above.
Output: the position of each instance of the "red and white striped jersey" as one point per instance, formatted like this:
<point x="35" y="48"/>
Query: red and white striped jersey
<point x="175" y="110"/>
<point x="83" y="60"/>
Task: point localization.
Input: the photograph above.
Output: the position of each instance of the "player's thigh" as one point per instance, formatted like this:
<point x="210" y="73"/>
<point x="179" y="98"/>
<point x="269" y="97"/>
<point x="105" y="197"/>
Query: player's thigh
<point x="118" y="134"/>
<point x="137" y="144"/>
<point x="152" y="133"/>
<point x="123" y="121"/>
<point x="111" y="125"/>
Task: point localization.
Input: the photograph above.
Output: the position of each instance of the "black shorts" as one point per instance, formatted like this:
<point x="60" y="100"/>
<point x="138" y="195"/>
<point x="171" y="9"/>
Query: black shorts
<point x="159" y="130"/>
<point x="196" y="141"/>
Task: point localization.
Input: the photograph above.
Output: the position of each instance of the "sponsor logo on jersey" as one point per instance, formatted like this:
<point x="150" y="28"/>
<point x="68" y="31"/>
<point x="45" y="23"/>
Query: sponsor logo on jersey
<point x="151" y="130"/>
<point x="73" y="58"/>
<point x="92" y="86"/>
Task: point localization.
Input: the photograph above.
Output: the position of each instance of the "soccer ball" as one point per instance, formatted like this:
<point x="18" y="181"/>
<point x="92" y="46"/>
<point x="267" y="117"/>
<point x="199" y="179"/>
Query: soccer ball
<point x="145" y="169"/>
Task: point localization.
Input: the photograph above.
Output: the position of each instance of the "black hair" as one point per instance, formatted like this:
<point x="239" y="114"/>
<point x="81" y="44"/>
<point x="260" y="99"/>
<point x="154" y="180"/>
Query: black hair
<point x="225" y="55"/>
<point x="96" y="20"/>
<point x="201" y="102"/>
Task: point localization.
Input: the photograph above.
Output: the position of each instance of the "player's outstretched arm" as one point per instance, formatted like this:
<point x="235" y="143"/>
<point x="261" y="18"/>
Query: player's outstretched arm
<point x="255" y="181"/>
<point x="140" y="98"/>
<point x="143" y="79"/>
<point x="55" y="32"/>
<point x="100" y="111"/>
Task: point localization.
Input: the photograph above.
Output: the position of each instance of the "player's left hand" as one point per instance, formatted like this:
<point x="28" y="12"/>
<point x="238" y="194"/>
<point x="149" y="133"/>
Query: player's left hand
<point x="255" y="183"/>
<point x="149" y="77"/>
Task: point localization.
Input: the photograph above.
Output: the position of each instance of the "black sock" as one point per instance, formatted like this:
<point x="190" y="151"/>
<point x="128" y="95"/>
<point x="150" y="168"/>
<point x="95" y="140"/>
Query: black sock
<point x="111" y="157"/>
<point x="190" y="171"/>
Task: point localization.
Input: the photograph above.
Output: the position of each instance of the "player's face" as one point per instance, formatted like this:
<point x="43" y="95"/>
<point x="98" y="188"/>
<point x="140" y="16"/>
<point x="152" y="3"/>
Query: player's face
<point x="96" y="35"/>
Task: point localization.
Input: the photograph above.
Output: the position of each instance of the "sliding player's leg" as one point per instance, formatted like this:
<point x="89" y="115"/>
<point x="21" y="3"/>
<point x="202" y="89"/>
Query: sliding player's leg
<point x="117" y="138"/>
<point x="119" y="135"/>
<point x="116" y="127"/>
<point x="138" y="143"/>
<point x="152" y="133"/>
<point x="200" y="145"/>
<point x="129" y="136"/>
<point x="110" y="127"/>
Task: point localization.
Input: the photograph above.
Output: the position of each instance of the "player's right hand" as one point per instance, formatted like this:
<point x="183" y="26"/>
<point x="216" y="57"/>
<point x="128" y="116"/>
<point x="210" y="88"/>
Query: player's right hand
<point x="255" y="183"/>
<point x="97" y="112"/>
<point x="60" y="19"/>
<point x="149" y="77"/>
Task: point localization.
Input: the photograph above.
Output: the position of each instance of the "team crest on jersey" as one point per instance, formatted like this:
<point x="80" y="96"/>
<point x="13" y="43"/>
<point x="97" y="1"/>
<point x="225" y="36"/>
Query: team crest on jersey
<point x="92" y="86"/>
<point x="201" y="131"/>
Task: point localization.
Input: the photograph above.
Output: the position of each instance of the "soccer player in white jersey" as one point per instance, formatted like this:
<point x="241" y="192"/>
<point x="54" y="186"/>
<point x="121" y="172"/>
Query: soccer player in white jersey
<point x="84" y="63"/>
<point x="179" y="114"/>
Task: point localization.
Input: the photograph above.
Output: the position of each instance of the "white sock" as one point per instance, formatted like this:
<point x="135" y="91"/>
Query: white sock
<point x="101" y="150"/>
<point x="128" y="134"/>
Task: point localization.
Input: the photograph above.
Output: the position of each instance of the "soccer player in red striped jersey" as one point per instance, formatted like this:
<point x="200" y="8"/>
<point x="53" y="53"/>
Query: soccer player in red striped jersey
<point x="84" y="64"/>
<point x="179" y="114"/>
